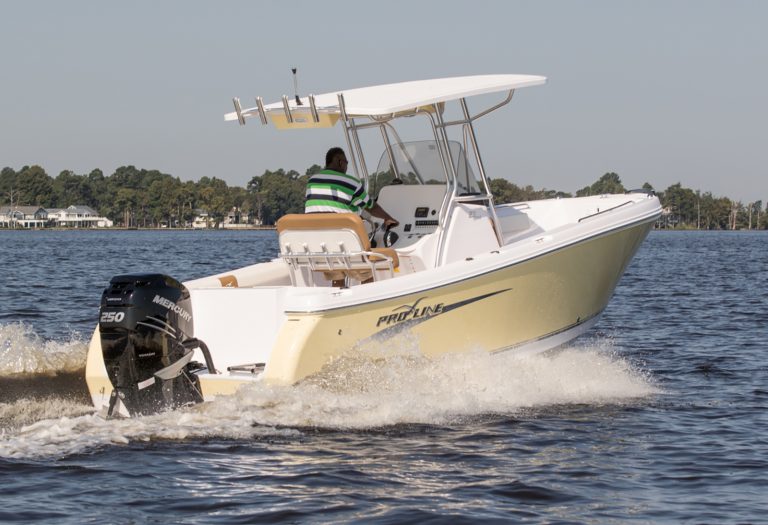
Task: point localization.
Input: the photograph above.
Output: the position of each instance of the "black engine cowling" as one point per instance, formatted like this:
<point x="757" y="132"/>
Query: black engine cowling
<point x="145" y="322"/>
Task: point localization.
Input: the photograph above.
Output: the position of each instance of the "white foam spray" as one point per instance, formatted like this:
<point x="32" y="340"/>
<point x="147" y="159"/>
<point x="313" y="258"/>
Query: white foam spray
<point x="379" y="386"/>
<point x="22" y="351"/>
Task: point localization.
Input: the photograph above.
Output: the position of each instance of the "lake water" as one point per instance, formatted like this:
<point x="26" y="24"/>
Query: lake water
<point x="658" y="415"/>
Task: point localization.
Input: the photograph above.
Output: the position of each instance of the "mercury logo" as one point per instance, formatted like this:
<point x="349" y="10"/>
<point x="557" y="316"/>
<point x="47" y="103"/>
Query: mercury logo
<point x="173" y="307"/>
<point x="410" y="312"/>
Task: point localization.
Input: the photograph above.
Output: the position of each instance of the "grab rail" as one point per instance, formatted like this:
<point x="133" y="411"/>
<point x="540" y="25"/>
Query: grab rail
<point x="604" y="211"/>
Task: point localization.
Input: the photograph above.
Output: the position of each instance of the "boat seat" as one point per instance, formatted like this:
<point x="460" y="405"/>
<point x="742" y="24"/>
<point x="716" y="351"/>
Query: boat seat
<point x="335" y="244"/>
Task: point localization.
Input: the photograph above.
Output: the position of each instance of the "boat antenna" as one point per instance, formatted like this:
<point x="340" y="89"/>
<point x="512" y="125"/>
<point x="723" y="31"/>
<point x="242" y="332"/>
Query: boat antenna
<point x="296" y="86"/>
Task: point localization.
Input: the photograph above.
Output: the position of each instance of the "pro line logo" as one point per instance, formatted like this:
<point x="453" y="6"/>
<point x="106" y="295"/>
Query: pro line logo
<point x="408" y="312"/>
<point x="412" y="314"/>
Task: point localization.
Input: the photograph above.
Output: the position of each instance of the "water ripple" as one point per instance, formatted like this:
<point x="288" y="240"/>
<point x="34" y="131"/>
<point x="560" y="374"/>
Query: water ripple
<point x="658" y="416"/>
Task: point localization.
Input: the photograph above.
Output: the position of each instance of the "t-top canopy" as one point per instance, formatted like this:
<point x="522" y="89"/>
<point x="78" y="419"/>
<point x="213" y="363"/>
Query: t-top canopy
<point x="393" y="98"/>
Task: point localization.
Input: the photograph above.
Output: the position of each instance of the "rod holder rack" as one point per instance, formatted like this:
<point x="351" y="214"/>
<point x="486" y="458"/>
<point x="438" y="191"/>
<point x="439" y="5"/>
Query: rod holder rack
<point x="287" y="110"/>
<point x="241" y="115"/>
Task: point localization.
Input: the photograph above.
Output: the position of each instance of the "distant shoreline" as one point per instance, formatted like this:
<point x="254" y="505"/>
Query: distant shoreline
<point x="122" y="228"/>
<point x="272" y="228"/>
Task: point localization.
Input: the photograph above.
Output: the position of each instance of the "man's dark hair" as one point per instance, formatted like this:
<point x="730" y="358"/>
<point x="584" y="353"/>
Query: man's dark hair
<point x="332" y="153"/>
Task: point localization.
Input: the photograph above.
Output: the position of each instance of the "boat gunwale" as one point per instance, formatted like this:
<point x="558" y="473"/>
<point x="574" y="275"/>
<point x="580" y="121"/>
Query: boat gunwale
<point x="649" y="218"/>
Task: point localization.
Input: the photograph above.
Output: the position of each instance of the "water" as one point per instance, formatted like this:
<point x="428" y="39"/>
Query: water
<point x="659" y="415"/>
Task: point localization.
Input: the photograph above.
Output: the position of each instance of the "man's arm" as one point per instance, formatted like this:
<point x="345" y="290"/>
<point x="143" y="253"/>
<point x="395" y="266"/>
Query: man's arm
<point x="378" y="211"/>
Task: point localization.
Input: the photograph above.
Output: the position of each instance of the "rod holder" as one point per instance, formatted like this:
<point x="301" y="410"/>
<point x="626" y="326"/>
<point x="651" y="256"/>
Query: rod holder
<point x="313" y="108"/>
<point x="342" y="107"/>
<point x="262" y="113"/>
<point x="288" y="115"/>
<point x="239" y="111"/>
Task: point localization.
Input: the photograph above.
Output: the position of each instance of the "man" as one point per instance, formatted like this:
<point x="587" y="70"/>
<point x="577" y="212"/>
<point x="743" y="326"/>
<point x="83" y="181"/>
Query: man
<point x="333" y="190"/>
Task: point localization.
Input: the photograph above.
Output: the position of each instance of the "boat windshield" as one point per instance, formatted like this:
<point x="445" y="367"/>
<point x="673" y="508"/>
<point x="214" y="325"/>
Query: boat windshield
<point x="419" y="163"/>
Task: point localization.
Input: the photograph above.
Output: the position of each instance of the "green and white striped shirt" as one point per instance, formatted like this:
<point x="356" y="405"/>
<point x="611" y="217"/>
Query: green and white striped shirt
<point x="332" y="191"/>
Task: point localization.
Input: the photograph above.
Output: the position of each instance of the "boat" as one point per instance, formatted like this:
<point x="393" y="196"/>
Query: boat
<point x="459" y="273"/>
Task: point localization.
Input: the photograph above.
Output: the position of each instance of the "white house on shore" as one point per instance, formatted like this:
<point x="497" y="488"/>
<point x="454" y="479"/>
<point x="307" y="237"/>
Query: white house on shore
<point x="235" y="219"/>
<point x="202" y="220"/>
<point x="77" y="217"/>
<point x="28" y="217"/>
<point x="34" y="217"/>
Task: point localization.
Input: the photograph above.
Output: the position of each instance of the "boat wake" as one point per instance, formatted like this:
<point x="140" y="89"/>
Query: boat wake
<point x="40" y="379"/>
<point x="22" y="351"/>
<point x="379" y="386"/>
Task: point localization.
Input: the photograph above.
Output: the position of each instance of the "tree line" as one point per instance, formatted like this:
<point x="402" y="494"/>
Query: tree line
<point x="683" y="208"/>
<point x="149" y="198"/>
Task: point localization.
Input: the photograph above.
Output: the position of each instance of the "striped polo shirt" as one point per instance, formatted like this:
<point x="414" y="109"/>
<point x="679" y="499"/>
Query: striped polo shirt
<point x="332" y="191"/>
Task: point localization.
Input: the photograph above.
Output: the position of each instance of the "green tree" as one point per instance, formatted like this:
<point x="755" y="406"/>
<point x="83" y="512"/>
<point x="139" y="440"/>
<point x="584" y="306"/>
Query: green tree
<point x="241" y="201"/>
<point x="8" y="185"/>
<point x="504" y="191"/>
<point x="608" y="183"/>
<point x="683" y="205"/>
<point x="754" y="211"/>
<point x="35" y="187"/>
<point x="187" y="194"/>
<point x="278" y="193"/>
<point x="213" y="194"/>
<point x="126" y="202"/>
<point x="70" y="188"/>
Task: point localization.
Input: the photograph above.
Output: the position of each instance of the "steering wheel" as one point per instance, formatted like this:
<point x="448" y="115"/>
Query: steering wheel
<point x="370" y="228"/>
<point x="390" y="237"/>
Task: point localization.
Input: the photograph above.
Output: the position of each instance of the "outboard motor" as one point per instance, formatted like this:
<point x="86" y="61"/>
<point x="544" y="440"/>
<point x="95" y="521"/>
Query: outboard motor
<point x="145" y="321"/>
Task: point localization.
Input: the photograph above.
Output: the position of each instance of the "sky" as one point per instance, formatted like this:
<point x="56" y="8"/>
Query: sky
<point x="658" y="91"/>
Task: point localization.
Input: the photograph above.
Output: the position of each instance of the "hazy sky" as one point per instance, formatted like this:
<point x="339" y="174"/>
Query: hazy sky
<point x="657" y="91"/>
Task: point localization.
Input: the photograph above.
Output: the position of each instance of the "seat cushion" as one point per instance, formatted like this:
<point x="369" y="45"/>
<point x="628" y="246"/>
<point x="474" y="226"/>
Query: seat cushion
<point x="325" y="221"/>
